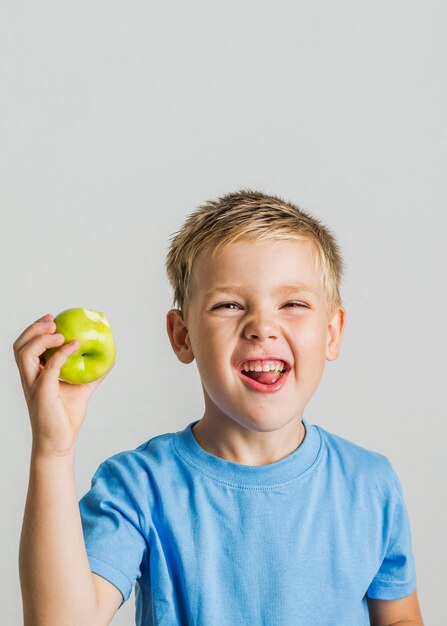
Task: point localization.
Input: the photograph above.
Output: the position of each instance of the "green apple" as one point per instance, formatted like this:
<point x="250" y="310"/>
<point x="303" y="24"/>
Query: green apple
<point x="97" y="352"/>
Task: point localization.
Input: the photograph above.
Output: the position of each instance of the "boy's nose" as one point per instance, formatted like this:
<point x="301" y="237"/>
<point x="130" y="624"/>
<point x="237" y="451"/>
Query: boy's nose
<point x="261" y="328"/>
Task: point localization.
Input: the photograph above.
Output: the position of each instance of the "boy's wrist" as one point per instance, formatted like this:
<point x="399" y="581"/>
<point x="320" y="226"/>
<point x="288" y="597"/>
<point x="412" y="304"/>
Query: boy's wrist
<point x="44" y="454"/>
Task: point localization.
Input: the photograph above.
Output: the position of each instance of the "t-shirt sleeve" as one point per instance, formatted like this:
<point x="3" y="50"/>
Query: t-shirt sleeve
<point x="396" y="577"/>
<point x="111" y="522"/>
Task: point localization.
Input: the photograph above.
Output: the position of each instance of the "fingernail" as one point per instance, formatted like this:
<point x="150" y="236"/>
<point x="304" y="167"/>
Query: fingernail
<point x="46" y="318"/>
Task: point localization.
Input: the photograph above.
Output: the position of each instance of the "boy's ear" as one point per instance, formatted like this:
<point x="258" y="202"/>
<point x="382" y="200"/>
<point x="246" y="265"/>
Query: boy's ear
<point x="335" y="333"/>
<point x="178" y="336"/>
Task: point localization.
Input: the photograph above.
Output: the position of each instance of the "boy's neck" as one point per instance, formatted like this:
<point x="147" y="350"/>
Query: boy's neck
<point x="238" y="445"/>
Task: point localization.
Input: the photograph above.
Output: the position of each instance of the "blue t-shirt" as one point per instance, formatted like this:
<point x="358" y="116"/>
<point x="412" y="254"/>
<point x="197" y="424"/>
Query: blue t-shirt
<point x="209" y="542"/>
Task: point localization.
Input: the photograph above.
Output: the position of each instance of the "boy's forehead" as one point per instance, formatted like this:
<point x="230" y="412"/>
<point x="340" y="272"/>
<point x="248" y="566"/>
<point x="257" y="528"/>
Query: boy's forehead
<point x="297" y="258"/>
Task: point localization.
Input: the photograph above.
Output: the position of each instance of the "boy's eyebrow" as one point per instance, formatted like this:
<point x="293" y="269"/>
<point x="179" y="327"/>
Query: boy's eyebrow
<point x="281" y="290"/>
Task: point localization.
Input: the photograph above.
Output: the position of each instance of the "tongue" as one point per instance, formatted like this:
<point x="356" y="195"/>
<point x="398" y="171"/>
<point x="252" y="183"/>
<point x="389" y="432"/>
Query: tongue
<point x="266" y="378"/>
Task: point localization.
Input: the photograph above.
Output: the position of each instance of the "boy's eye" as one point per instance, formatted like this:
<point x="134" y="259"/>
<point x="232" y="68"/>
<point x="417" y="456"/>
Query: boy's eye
<point x="225" y="304"/>
<point x="232" y="304"/>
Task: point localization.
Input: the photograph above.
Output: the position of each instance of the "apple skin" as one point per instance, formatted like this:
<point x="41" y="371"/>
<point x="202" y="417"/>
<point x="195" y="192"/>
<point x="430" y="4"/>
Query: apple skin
<point x="97" y="351"/>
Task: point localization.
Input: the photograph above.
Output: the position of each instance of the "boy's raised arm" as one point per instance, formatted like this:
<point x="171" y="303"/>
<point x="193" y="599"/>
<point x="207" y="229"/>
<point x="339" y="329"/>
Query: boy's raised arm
<point x="56" y="582"/>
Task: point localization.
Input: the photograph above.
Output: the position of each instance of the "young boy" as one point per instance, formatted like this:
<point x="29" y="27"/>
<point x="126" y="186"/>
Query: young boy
<point x="251" y="515"/>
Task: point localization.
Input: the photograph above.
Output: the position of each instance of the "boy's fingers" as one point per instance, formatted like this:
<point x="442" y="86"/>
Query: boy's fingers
<point x="28" y="357"/>
<point x="44" y="325"/>
<point x="56" y="361"/>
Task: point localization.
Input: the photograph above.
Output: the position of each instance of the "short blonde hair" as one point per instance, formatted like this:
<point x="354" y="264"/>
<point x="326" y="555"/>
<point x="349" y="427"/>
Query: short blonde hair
<point x="249" y="215"/>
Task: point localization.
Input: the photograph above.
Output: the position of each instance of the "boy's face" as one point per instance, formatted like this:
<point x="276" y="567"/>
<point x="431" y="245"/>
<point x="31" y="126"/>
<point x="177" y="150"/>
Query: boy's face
<point x="253" y="321"/>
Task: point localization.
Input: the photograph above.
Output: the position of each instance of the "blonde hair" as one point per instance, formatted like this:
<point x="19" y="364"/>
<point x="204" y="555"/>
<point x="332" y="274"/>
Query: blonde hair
<point x="249" y="215"/>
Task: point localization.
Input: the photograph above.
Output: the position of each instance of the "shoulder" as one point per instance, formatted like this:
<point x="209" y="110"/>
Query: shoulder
<point x="136" y="465"/>
<point x="359" y="464"/>
<point x="154" y="447"/>
<point x="348" y="451"/>
<point x="130" y="479"/>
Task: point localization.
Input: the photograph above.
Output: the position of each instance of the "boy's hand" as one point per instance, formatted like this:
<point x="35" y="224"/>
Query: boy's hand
<point x="56" y="408"/>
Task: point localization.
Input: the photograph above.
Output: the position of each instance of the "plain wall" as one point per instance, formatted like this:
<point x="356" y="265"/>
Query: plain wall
<point x="118" y="119"/>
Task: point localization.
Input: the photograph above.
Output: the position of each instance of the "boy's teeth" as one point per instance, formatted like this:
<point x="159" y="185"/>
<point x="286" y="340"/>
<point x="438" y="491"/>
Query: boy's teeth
<point x="266" y="366"/>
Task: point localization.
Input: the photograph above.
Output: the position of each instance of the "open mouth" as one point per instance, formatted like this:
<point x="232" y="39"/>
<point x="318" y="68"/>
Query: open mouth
<point x="265" y="378"/>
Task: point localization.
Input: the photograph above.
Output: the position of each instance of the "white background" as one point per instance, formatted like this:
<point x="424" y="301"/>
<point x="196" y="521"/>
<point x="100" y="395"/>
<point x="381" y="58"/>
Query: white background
<point x="119" y="118"/>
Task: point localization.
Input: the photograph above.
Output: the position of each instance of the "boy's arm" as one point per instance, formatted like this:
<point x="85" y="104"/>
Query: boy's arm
<point x="402" y="612"/>
<point x="57" y="584"/>
<point x="56" y="581"/>
<point x="109" y="599"/>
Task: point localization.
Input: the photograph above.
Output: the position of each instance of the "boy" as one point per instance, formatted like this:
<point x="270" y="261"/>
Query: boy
<point x="251" y="515"/>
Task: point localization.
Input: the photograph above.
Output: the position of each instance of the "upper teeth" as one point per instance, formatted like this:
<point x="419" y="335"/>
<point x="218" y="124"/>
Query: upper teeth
<point x="264" y="366"/>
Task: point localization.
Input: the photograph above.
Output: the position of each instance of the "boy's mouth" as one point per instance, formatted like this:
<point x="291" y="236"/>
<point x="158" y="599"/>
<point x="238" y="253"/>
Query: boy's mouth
<point x="264" y="375"/>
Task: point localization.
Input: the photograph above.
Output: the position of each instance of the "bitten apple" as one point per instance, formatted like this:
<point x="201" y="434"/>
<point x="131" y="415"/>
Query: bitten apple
<point x="97" y="351"/>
